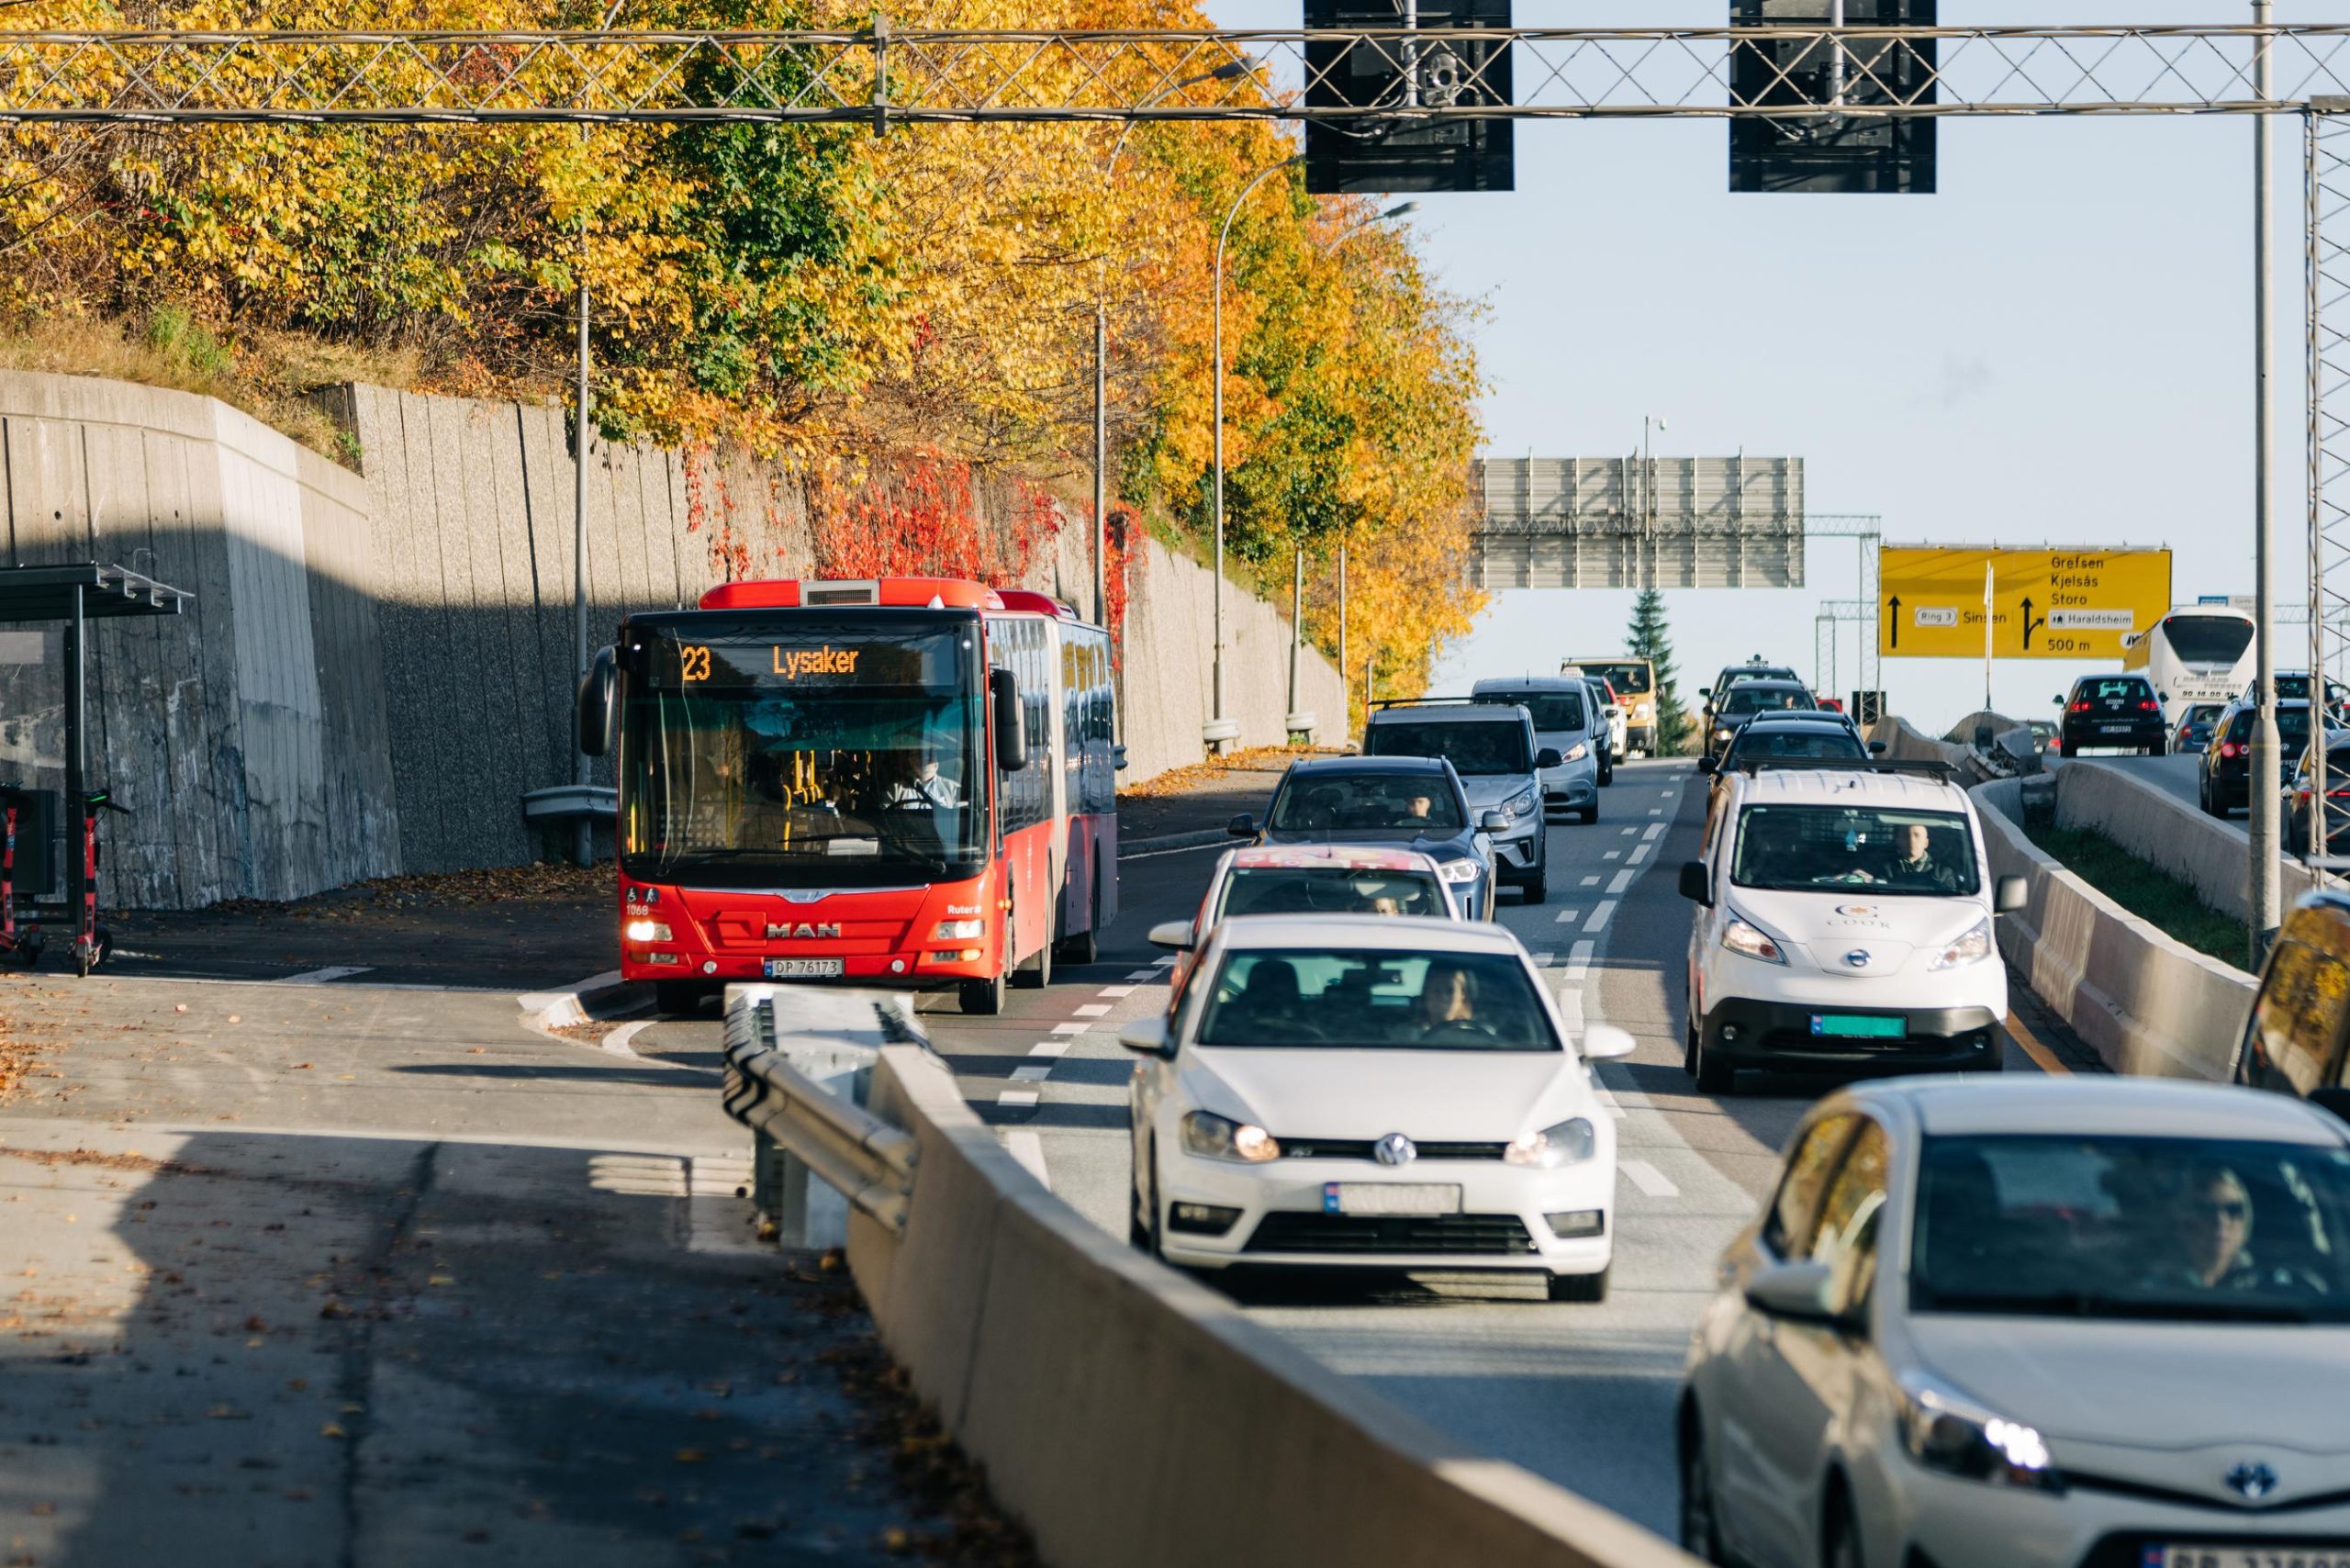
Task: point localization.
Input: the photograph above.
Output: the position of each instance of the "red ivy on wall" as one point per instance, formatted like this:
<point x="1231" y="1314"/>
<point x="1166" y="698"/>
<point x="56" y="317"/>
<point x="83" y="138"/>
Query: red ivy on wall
<point x="922" y="517"/>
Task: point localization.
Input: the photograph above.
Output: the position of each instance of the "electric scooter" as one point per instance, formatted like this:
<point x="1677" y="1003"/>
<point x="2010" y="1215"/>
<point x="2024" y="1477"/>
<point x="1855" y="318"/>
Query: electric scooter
<point x="19" y="940"/>
<point x="92" y="942"/>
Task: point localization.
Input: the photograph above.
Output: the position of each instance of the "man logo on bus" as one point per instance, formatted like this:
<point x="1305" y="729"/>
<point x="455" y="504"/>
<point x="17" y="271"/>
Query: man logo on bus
<point x="803" y="929"/>
<point x="793" y="662"/>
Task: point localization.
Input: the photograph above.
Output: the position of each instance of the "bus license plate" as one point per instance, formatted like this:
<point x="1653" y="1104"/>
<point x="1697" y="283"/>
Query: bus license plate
<point x="1859" y="1026"/>
<point x="1393" y="1198"/>
<point x="2172" y="1555"/>
<point x="803" y="968"/>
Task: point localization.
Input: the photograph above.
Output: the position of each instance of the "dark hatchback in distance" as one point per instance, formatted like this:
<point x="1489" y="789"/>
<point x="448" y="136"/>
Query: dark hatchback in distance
<point x="1401" y="802"/>
<point x="2119" y="711"/>
<point x="2224" y="780"/>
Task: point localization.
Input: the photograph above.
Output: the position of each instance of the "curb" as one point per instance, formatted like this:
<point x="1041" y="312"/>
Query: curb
<point x="597" y="996"/>
<point x="1135" y="848"/>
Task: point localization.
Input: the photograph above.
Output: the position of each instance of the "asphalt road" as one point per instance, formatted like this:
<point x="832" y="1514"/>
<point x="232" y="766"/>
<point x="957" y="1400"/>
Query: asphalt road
<point x="1579" y="1394"/>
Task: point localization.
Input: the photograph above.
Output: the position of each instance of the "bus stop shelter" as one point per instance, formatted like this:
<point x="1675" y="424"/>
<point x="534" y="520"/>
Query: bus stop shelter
<point x="76" y="594"/>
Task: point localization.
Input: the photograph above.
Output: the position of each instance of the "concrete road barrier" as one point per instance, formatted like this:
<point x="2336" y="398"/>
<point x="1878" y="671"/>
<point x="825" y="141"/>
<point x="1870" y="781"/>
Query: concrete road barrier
<point x="2208" y="852"/>
<point x="2147" y="1005"/>
<point x="1132" y="1418"/>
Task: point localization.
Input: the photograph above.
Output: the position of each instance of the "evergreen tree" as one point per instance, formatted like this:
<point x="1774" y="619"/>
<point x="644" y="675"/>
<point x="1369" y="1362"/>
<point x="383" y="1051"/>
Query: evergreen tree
<point x="1649" y="640"/>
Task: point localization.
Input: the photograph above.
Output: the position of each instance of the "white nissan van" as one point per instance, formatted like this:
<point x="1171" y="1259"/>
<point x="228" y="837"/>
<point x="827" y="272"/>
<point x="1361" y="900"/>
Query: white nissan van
<point x="1843" y="921"/>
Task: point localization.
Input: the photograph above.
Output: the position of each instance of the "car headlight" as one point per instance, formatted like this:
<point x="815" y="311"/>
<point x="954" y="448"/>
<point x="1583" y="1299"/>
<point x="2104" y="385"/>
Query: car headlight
<point x="1462" y="870"/>
<point x="1576" y="752"/>
<point x="646" y="931"/>
<point x="1524" y="801"/>
<point x="959" y="930"/>
<point x="1569" y="1143"/>
<point x="1972" y="948"/>
<point x="1721" y="734"/>
<point x="1739" y="936"/>
<point x="1946" y="1431"/>
<point x="1219" y="1138"/>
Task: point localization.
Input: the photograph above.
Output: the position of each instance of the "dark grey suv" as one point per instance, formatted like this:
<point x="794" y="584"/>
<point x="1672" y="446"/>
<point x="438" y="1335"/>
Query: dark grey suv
<point x="1404" y="802"/>
<point x="1493" y="747"/>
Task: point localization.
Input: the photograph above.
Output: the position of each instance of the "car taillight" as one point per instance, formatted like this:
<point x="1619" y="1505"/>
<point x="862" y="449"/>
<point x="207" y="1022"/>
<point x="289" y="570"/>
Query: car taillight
<point x="2081" y="707"/>
<point x="2230" y="749"/>
<point x="2148" y="705"/>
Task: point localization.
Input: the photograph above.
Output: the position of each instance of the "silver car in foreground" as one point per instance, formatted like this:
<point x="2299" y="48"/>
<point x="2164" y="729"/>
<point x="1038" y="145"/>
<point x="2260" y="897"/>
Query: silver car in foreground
<point x="2043" y="1323"/>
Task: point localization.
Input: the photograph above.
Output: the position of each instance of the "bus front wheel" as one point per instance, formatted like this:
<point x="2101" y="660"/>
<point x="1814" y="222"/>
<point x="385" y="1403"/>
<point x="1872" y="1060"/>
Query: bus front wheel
<point x="982" y="998"/>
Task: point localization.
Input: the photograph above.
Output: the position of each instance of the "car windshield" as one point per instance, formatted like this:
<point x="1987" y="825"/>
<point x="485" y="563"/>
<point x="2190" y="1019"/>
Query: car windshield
<point x="1753" y="697"/>
<point x="1758" y="740"/>
<point x="2124" y="689"/>
<point x="2292" y="727"/>
<point x="1329" y="889"/>
<point x="1629" y="677"/>
<point x="1552" y="711"/>
<point x="2206" y="639"/>
<point x="2296" y="687"/>
<point x="1368" y="803"/>
<point x="1291" y="998"/>
<point x="2176" y="1229"/>
<point x="1794" y="848"/>
<point x="1479" y="745"/>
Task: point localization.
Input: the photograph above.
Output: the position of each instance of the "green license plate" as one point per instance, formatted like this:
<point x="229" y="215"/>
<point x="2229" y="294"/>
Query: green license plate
<point x="1859" y="1026"/>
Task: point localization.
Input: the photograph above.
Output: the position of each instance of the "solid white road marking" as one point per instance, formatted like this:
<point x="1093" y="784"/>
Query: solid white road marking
<point x="1017" y="1097"/>
<point x="1032" y="1074"/>
<point x="1622" y="880"/>
<point x="1649" y="1178"/>
<point x="1049" y="1048"/>
<point x="1591" y="882"/>
<point x="1639" y="853"/>
<point x="1579" y="959"/>
<point x="331" y="972"/>
<point x="1654" y="828"/>
<point x="1026" y="1146"/>
<point x="1599" y="916"/>
<point x="1071" y="1028"/>
<point x="1116" y="990"/>
<point x="1091" y="1010"/>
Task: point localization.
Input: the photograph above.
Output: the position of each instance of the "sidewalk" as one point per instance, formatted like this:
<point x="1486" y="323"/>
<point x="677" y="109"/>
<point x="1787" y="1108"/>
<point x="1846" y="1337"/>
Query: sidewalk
<point x="1206" y="795"/>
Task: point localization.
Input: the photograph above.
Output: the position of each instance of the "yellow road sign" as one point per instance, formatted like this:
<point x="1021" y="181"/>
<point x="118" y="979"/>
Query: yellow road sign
<point x="2045" y="604"/>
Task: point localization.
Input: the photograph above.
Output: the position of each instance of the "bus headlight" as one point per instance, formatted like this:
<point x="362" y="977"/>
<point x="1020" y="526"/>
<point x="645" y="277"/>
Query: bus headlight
<point x="646" y="931"/>
<point x="959" y="930"/>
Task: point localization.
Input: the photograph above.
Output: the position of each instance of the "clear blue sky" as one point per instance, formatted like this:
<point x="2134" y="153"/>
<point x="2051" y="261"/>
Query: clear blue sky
<point x="2057" y="347"/>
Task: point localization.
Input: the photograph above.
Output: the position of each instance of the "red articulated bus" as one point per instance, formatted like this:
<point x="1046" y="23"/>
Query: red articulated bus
<point x="907" y="782"/>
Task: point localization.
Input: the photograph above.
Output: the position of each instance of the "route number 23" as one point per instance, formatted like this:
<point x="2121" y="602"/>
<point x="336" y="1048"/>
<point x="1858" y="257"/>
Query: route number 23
<point x="693" y="662"/>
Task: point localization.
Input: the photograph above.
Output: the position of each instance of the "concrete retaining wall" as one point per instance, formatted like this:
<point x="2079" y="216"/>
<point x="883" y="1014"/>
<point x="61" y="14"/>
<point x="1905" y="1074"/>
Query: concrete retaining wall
<point x="2148" y="1005"/>
<point x="1131" y="1416"/>
<point x="2211" y="854"/>
<point x="378" y="665"/>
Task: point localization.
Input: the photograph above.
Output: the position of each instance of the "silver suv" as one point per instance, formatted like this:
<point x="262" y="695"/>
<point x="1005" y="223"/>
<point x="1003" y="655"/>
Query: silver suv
<point x="1564" y="721"/>
<point x="1493" y="750"/>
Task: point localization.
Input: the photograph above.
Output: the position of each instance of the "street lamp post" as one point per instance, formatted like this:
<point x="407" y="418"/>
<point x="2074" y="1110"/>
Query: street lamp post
<point x="2266" y="894"/>
<point x="1219" y="731"/>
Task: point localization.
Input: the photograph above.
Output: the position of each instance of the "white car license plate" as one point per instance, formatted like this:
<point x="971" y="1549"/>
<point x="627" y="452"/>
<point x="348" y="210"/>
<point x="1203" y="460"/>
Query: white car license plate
<point x="2172" y="1555"/>
<point x="803" y="968"/>
<point x="1395" y="1198"/>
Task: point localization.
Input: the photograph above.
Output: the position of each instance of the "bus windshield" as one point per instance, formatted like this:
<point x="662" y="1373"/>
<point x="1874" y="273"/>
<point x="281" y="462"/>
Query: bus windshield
<point x="812" y="753"/>
<point x="1628" y="677"/>
<point x="2206" y="639"/>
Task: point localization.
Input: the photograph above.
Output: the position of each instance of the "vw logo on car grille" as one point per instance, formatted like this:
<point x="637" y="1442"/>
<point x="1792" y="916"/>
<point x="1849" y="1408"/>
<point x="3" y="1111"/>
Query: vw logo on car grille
<point x="1395" y="1149"/>
<point x="1858" y="958"/>
<point x="2252" y="1481"/>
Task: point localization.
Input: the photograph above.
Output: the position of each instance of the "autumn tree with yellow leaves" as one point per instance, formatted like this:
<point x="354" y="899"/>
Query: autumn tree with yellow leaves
<point x="821" y="292"/>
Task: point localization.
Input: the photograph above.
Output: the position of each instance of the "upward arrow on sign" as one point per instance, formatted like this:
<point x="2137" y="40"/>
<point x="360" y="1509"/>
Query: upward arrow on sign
<point x="2029" y="623"/>
<point x="1892" y="617"/>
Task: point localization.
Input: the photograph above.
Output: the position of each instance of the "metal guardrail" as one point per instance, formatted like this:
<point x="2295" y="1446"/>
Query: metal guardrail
<point x="860" y="1156"/>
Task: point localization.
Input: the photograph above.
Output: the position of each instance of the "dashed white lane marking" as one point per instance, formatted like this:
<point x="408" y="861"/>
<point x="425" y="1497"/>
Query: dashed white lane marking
<point x="1599" y="916"/>
<point x="1116" y="990"/>
<point x="1036" y="1074"/>
<point x="1049" y="1048"/>
<point x="1026" y="1146"/>
<point x="1654" y="828"/>
<point x="1579" y="959"/>
<point x="1591" y="882"/>
<point x="331" y="972"/>
<point x="1569" y="916"/>
<point x="1630" y="831"/>
<point x="1656" y="810"/>
<point x="1622" y="880"/>
<point x="1144" y="975"/>
<point x="1639" y="853"/>
<point x="1017" y="1097"/>
<point x="1091" y="1010"/>
<point x="1071" y="1028"/>
<point x="1611" y="855"/>
<point x="1649" y="1178"/>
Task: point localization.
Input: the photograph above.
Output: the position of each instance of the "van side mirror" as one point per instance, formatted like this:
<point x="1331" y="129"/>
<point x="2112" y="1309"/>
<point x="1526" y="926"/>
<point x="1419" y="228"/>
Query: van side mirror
<point x="1549" y="756"/>
<point x="2009" y="894"/>
<point x="1706" y="764"/>
<point x="2331" y="1099"/>
<point x="1876" y="749"/>
<point x="1010" y="733"/>
<point x="599" y="704"/>
<point x="1697" y="882"/>
<point x="1242" y="826"/>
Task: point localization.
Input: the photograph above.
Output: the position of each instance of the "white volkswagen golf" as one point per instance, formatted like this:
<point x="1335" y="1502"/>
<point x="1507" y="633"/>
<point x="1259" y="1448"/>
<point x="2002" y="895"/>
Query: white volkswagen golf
<point x="1356" y="1090"/>
<point x="2075" y="1323"/>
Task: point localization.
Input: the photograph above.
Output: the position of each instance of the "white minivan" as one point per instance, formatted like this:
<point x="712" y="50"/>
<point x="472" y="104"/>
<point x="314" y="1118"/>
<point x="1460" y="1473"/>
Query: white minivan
<point x="1843" y="922"/>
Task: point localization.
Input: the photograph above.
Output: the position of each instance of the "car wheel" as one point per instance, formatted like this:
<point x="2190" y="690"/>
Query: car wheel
<point x="1701" y="1530"/>
<point x="2159" y="748"/>
<point x="1591" y="813"/>
<point x="1841" y="1543"/>
<point x="680" y="999"/>
<point x="2203" y="797"/>
<point x="981" y="998"/>
<point x="1689" y="1047"/>
<point x="1538" y="889"/>
<point x="1142" y="1215"/>
<point x="1714" y="1076"/>
<point x="1579" y="1287"/>
<point x="1085" y="947"/>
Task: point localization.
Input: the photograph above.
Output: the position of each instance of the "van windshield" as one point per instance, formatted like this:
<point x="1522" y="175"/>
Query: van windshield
<point x="1418" y="804"/>
<point x="1472" y="745"/>
<point x="1552" y="711"/>
<point x="1796" y="848"/>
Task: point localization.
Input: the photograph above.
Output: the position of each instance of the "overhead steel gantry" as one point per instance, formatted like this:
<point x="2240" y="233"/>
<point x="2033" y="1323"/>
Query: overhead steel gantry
<point x="884" y="77"/>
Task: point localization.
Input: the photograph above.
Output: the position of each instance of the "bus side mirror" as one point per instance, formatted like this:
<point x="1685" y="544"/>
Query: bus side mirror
<point x="599" y="707"/>
<point x="1010" y="733"/>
